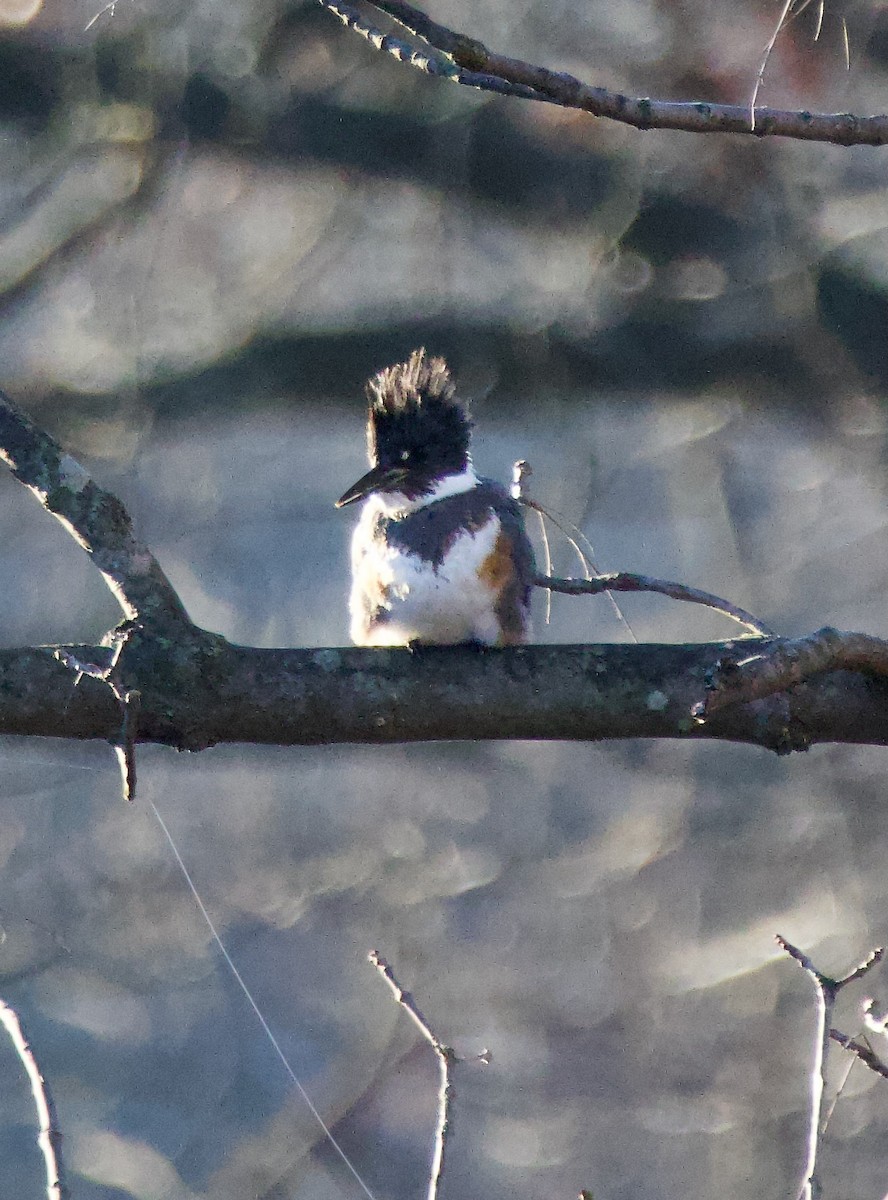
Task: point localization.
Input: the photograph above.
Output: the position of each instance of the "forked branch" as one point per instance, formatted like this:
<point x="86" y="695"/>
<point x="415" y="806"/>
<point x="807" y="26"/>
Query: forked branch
<point x="447" y="1058"/>
<point x="826" y="990"/>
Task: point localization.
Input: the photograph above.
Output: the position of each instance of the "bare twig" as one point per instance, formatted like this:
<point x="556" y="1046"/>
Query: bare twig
<point x="620" y="581"/>
<point x="821" y="8"/>
<point x="861" y="1050"/>
<point x="111" y="8"/>
<point x="791" y="661"/>
<point x="465" y="60"/>
<point x="521" y="472"/>
<point x="353" y="19"/>
<point x="788" y="13"/>
<point x="588" y="556"/>
<point x="760" y="77"/>
<point x="827" y="990"/>
<point x="49" y="1138"/>
<point x="446" y="1056"/>
<point x="865" y="1053"/>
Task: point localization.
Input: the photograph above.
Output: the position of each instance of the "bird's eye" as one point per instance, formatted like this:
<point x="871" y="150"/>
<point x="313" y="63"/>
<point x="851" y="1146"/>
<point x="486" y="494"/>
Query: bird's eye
<point x="405" y="456"/>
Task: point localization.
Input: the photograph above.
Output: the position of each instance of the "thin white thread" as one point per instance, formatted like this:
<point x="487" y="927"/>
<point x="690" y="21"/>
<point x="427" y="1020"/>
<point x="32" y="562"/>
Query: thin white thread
<point x="328" y="1133"/>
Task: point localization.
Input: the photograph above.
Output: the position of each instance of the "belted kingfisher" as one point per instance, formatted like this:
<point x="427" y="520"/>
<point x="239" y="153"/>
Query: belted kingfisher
<point x="439" y="555"/>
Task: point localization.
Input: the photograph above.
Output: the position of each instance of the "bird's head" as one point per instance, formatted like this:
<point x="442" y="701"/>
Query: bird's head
<point x="417" y="430"/>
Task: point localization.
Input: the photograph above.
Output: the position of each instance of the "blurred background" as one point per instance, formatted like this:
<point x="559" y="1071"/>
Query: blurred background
<point x="216" y="220"/>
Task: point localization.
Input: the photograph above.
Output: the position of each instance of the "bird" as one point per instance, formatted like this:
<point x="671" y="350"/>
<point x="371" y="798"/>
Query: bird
<point x="439" y="556"/>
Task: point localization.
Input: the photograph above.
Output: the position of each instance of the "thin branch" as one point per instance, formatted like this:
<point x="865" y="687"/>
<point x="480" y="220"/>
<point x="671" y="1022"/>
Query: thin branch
<point x="620" y="581"/>
<point x="818" y="28"/>
<point x="547" y="556"/>
<point x="446" y="1057"/>
<point x="96" y="519"/>
<point x="760" y="77"/>
<point x="865" y="1053"/>
<point x="49" y="1138"/>
<point x="785" y="663"/>
<point x="111" y="8"/>
<point x="827" y="991"/>
<point x="589" y="558"/>
<point x="872" y="959"/>
<point x="521" y="473"/>
<point x="353" y="19"/>
<point x="838" y="1093"/>
<point x="465" y="60"/>
<point x="789" y="13"/>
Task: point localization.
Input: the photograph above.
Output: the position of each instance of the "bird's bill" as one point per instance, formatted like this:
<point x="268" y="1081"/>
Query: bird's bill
<point x="377" y="479"/>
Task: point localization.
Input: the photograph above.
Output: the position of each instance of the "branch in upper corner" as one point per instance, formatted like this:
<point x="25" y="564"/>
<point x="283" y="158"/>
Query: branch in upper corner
<point x="620" y="581"/>
<point x="49" y="1138"/>
<point x="467" y="61"/>
<point x="96" y="519"/>
<point x="789" y="662"/>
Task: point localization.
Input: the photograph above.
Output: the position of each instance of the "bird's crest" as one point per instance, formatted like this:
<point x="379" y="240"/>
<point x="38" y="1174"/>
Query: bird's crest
<point x="417" y="383"/>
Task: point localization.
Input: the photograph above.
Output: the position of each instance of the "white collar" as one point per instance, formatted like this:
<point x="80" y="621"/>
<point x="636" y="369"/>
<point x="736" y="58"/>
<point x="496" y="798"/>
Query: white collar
<point x="396" y="503"/>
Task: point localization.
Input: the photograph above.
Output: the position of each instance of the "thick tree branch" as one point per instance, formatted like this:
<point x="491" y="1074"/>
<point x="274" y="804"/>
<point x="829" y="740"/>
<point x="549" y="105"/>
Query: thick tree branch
<point x="205" y="691"/>
<point x="466" y="61"/>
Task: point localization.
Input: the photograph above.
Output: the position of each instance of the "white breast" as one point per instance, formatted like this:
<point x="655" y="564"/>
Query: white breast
<point x="443" y="606"/>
